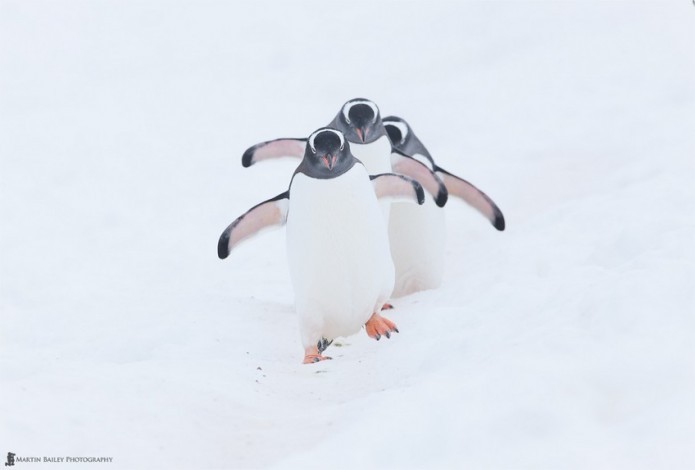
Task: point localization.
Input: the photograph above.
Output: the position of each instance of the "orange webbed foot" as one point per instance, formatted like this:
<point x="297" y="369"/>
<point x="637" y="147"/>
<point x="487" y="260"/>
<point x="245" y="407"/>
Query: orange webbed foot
<point x="312" y="358"/>
<point x="312" y="355"/>
<point x="378" y="326"/>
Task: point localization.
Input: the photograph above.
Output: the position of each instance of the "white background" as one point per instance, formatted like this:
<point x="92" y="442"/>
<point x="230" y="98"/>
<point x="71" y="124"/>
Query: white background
<point x="564" y="342"/>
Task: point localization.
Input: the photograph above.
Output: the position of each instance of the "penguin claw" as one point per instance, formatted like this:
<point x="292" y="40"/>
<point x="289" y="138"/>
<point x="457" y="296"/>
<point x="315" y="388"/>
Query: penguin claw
<point x="387" y="306"/>
<point x="312" y="355"/>
<point x="314" y="358"/>
<point x="323" y="344"/>
<point x="378" y="326"/>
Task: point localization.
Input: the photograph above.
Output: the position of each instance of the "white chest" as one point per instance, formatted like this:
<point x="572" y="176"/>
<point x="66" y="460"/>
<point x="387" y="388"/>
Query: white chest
<point x="376" y="156"/>
<point x="338" y="252"/>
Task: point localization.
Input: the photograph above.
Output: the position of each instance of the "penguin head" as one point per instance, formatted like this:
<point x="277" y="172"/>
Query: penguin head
<point x="398" y="131"/>
<point x="404" y="139"/>
<point x="327" y="153"/>
<point x="360" y="121"/>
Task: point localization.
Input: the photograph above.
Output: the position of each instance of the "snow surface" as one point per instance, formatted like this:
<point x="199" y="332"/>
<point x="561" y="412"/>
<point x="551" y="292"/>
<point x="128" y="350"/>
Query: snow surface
<point x="564" y="342"/>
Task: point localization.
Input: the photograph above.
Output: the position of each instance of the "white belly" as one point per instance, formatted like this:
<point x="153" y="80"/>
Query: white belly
<point x="338" y="254"/>
<point x="417" y="237"/>
<point x="376" y="158"/>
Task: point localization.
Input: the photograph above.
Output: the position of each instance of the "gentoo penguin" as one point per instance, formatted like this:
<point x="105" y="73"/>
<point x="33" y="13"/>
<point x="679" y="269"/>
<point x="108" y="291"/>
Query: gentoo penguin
<point x="360" y="122"/>
<point x="337" y="244"/>
<point x="417" y="233"/>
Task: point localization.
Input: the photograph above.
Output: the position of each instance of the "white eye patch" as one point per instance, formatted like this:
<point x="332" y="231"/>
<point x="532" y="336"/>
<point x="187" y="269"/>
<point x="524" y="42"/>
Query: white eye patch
<point x="348" y="106"/>
<point x="313" y="136"/>
<point x="400" y="126"/>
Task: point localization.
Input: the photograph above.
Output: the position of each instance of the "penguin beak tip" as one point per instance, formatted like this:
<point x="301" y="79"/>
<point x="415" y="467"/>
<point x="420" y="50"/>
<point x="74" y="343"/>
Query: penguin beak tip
<point x="328" y="161"/>
<point x="362" y="134"/>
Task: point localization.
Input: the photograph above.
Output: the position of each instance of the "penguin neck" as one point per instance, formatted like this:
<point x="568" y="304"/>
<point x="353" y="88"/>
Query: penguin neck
<point x="378" y="131"/>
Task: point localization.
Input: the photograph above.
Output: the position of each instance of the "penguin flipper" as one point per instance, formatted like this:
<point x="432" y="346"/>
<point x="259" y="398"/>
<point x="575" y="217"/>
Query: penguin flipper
<point x="272" y="212"/>
<point x="473" y="196"/>
<point x="407" y="165"/>
<point x="273" y="149"/>
<point x="398" y="187"/>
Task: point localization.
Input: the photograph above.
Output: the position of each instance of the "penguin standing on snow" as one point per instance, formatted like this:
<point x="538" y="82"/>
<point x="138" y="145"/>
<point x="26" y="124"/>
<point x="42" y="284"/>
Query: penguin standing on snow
<point x="337" y="244"/>
<point x="417" y="233"/>
<point x="360" y="121"/>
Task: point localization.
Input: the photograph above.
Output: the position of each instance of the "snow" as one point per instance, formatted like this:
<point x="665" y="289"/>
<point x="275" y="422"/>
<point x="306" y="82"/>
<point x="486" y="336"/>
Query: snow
<point x="563" y="342"/>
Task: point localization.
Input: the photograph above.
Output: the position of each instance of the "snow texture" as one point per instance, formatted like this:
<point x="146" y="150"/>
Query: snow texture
<point x="564" y="342"/>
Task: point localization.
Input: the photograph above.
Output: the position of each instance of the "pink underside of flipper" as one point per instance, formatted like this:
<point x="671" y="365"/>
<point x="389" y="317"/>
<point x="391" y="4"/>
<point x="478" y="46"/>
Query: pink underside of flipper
<point x="394" y="186"/>
<point x="469" y="193"/>
<point x="280" y="148"/>
<point x="263" y="216"/>
<point x="416" y="170"/>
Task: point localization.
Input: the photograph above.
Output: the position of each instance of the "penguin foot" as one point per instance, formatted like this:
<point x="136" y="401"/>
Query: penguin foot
<point x="378" y="326"/>
<point x="387" y="306"/>
<point x="312" y="355"/>
<point x="323" y="344"/>
<point x="311" y="358"/>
